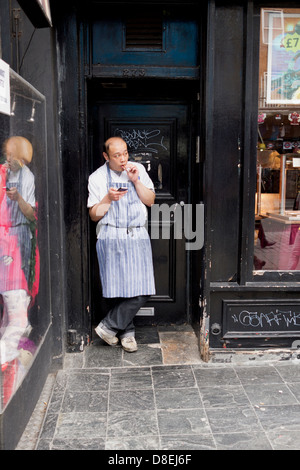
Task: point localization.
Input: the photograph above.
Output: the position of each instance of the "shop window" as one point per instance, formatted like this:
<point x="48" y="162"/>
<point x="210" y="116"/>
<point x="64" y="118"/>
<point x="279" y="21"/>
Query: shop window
<point x="277" y="218"/>
<point x="24" y="254"/>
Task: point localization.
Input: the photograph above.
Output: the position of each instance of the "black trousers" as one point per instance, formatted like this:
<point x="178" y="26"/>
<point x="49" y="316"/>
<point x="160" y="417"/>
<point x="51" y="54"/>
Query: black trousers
<point x="119" y="319"/>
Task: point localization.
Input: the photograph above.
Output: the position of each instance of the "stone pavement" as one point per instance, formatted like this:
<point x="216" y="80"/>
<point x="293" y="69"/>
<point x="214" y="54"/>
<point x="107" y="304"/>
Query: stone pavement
<point x="163" y="397"/>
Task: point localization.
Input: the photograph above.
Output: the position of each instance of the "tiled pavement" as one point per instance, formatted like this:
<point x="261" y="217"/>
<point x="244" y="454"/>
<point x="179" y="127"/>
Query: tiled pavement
<point x="164" y="397"/>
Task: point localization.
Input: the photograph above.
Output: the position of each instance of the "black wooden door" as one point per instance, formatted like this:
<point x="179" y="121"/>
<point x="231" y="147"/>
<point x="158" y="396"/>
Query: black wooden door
<point x="158" y="135"/>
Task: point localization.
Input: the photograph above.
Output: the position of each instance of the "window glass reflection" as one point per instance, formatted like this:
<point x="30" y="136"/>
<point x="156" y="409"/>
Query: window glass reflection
<point x="19" y="270"/>
<point x="277" y="222"/>
<point x="24" y="288"/>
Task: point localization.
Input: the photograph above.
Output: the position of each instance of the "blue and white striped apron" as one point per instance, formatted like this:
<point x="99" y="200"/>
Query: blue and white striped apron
<point x="124" y="248"/>
<point x="20" y="226"/>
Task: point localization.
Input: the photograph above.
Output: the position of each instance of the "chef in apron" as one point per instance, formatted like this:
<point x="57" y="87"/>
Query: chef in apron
<point x="119" y="192"/>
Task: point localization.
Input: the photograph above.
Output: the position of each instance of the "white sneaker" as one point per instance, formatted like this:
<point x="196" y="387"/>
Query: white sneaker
<point x="109" y="339"/>
<point x="129" y="344"/>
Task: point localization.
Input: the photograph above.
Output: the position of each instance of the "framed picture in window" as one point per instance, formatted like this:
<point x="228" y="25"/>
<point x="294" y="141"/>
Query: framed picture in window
<point x="283" y="71"/>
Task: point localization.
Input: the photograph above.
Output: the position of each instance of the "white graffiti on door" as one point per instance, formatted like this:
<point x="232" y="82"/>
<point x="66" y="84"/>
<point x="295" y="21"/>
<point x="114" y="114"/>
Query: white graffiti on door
<point x="151" y="140"/>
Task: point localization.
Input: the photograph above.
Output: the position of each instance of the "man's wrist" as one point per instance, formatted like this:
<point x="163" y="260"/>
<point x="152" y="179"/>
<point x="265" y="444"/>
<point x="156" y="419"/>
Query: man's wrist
<point x="137" y="182"/>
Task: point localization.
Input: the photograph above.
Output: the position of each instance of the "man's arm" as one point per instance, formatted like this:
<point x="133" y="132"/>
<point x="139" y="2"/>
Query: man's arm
<point x="146" y="195"/>
<point x="26" y="209"/>
<point x="98" y="211"/>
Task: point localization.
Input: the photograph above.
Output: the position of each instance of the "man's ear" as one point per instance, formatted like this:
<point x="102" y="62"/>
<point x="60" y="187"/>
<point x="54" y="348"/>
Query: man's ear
<point x="105" y="156"/>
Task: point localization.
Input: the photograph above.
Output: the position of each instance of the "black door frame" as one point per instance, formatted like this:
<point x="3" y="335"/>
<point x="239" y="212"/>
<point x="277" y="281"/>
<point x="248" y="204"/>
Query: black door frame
<point x="73" y="22"/>
<point x="189" y="95"/>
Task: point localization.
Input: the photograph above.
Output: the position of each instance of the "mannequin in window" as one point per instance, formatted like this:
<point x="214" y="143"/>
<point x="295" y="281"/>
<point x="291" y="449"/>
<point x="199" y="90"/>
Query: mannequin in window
<point x="17" y="214"/>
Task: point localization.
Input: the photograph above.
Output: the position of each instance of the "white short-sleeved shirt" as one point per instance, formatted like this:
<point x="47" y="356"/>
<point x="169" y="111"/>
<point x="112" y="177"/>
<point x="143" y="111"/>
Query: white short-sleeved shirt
<point x="98" y="183"/>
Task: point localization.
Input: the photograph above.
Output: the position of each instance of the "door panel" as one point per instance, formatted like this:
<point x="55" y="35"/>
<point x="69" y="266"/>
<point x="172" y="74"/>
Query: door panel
<point x="150" y="142"/>
<point x="157" y="135"/>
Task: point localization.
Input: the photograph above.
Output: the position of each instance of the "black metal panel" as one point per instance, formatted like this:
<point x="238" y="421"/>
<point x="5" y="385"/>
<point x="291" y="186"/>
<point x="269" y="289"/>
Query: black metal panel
<point x="254" y="318"/>
<point x="223" y="152"/>
<point x="263" y="318"/>
<point x="74" y="163"/>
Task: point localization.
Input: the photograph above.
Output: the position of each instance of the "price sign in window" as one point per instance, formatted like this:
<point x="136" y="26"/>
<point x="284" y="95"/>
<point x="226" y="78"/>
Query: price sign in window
<point x="283" y="86"/>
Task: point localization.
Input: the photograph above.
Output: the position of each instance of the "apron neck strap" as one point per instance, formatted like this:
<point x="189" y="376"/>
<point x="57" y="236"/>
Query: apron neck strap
<point x="108" y="175"/>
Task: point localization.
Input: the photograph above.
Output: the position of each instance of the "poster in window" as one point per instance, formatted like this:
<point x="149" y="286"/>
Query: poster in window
<point x="4" y="88"/>
<point x="283" y="85"/>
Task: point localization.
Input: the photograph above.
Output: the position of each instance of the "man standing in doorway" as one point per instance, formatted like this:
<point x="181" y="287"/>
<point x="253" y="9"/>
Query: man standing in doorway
<point x="118" y="193"/>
